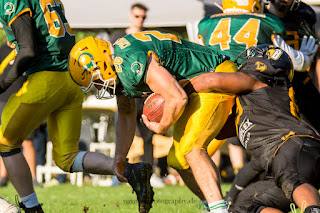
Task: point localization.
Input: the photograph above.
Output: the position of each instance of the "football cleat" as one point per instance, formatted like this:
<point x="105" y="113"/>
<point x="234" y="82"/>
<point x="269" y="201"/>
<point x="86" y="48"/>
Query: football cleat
<point x="35" y="209"/>
<point x="6" y="207"/>
<point x="138" y="176"/>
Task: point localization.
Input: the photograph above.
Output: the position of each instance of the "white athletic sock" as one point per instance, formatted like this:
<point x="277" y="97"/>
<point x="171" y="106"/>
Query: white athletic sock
<point x="219" y="206"/>
<point x="30" y="200"/>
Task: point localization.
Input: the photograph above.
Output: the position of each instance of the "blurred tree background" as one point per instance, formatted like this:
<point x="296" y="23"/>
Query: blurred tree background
<point x="80" y="34"/>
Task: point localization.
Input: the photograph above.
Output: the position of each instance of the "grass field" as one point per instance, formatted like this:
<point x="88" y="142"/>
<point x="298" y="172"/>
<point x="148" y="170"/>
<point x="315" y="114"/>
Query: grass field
<point x="67" y="198"/>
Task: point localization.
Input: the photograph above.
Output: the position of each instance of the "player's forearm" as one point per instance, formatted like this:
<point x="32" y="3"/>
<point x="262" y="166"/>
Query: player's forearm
<point x="18" y="68"/>
<point x="301" y="59"/>
<point x="125" y="126"/>
<point x="125" y="130"/>
<point x="23" y="31"/>
<point x="173" y="109"/>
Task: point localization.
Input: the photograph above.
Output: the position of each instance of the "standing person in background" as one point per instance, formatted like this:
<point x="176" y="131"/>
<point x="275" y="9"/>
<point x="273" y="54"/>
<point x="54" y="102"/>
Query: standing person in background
<point x="137" y="16"/>
<point x="43" y="38"/>
<point x="299" y="20"/>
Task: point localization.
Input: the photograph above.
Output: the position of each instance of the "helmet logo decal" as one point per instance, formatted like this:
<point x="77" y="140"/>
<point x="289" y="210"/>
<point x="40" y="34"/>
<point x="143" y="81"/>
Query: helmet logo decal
<point x="274" y="54"/>
<point x="136" y="67"/>
<point x="9" y="8"/>
<point x="260" y="66"/>
<point x="87" y="63"/>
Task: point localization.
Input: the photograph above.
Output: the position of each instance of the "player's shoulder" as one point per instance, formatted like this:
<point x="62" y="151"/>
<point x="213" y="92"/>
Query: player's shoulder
<point x="305" y="9"/>
<point x="272" y="17"/>
<point x="12" y="8"/>
<point x="125" y="45"/>
<point x="273" y="21"/>
<point x="306" y="12"/>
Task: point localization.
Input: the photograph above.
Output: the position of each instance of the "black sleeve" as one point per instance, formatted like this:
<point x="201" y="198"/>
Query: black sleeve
<point x="115" y="35"/>
<point x="229" y="129"/>
<point x="245" y="176"/>
<point x="22" y="28"/>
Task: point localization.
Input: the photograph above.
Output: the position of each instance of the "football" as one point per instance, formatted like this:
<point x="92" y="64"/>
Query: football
<point x="153" y="107"/>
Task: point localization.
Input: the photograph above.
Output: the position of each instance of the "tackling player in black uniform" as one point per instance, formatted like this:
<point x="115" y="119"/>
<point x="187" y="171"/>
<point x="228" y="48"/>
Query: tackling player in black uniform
<point x="268" y="123"/>
<point x="299" y="20"/>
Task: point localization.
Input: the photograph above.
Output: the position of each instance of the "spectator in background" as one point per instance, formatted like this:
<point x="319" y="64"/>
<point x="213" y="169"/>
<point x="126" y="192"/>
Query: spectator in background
<point x="7" y="56"/>
<point x="137" y="16"/>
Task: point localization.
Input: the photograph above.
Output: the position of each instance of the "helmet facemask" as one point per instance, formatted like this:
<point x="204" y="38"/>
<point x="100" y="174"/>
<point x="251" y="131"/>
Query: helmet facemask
<point x="246" y="54"/>
<point x="106" y="89"/>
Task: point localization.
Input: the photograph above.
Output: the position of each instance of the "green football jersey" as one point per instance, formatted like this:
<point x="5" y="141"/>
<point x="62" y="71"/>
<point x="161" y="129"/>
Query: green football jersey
<point x="54" y="37"/>
<point x="183" y="59"/>
<point x="231" y="34"/>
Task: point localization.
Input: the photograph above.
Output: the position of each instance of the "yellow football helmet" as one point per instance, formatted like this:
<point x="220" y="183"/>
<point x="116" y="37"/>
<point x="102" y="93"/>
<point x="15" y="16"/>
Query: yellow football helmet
<point x="90" y="63"/>
<point x="242" y="6"/>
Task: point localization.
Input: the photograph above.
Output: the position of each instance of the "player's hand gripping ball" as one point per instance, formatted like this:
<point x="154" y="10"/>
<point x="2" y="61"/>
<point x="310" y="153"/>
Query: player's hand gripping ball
<point x="153" y="107"/>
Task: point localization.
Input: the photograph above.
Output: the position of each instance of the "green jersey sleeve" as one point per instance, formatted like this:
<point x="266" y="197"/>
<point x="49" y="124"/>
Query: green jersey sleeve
<point x="9" y="11"/>
<point x="133" y="72"/>
<point x="52" y="32"/>
<point x="181" y="58"/>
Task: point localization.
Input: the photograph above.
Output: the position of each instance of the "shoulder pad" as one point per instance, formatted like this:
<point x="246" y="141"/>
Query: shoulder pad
<point x="305" y="12"/>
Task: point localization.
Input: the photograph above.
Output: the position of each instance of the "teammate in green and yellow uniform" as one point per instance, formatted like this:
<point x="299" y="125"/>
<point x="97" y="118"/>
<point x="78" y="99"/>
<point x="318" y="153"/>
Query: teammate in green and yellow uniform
<point x="152" y="61"/>
<point x="239" y="27"/>
<point x="43" y="38"/>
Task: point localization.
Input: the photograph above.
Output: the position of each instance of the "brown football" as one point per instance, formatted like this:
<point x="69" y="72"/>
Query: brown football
<point x="153" y="107"/>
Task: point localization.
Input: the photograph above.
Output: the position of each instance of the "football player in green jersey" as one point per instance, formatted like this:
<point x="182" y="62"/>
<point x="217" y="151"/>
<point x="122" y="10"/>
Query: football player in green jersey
<point x="269" y="125"/>
<point x="43" y="39"/>
<point x="240" y="26"/>
<point x="152" y="61"/>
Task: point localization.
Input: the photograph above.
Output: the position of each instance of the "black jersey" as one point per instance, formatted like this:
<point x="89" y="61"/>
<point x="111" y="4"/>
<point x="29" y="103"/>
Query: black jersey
<point x="298" y="23"/>
<point x="267" y="117"/>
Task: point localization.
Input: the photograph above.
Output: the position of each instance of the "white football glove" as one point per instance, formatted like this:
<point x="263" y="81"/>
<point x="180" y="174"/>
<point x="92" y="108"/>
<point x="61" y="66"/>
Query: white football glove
<point x="301" y="59"/>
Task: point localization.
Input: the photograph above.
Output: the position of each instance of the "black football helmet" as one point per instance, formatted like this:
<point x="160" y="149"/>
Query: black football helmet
<point x="261" y="57"/>
<point x="293" y="7"/>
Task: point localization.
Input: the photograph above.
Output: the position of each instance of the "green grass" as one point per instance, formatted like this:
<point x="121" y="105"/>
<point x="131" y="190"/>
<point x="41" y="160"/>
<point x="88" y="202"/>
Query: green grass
<point x="66" y="198"/>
